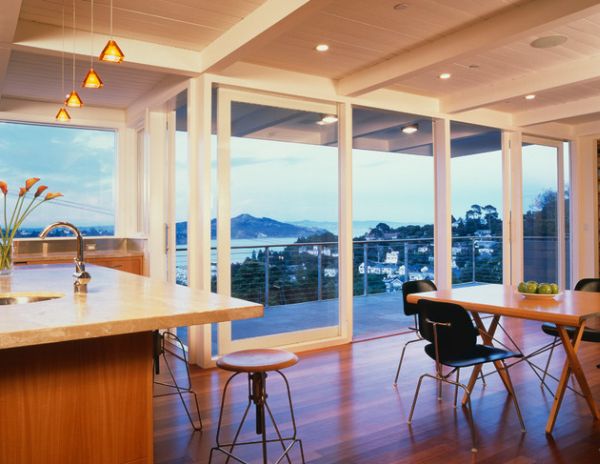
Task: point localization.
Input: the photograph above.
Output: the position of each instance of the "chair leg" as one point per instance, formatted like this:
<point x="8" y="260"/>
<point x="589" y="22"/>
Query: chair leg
<point x="414" y="403"/>
<point x="548" y="363"/>
<point x="514" y="396"/>
<point x="402" y="358"/>
<point x="456" y="387"/>
<point x="470" y="419"/>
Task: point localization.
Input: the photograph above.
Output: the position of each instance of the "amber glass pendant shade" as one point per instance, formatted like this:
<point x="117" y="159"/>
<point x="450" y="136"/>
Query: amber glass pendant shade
<point x="112" y="53"/>
<point x="92" y="80"/>
<point x="73" y="100"/>
<point x="63" y="115"/>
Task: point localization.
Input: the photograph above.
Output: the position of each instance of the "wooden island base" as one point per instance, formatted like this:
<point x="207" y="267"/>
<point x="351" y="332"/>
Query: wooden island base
<point x="84" y="401"/>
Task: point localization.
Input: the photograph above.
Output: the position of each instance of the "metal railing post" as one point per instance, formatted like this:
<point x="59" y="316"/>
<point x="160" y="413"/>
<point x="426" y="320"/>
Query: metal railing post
<point x="266" y="276"/>
<point x="473" y="259"/>
<point x="406" y="274"/>
<point x="366" y="268"/>
<point x="319" y="273"/>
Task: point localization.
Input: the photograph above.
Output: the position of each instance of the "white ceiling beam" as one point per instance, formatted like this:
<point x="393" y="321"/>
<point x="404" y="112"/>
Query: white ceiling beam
<point x="509" y="25"/>
<point x="557" y="112"/>
<point x="8" y="24"/>
<point x="573" y="72"/>
<point x="267" y="22"/>
<point x="48" y="39"/>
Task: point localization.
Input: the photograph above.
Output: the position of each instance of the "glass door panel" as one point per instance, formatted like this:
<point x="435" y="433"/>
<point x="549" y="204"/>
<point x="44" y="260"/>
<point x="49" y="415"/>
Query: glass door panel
<point x="476" y="170"/>
<point x="282" y="159"/>
<point x="543" y="213"/>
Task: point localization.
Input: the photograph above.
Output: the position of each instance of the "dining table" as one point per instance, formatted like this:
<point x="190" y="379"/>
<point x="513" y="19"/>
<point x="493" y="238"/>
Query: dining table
<point x="566" y="309"/>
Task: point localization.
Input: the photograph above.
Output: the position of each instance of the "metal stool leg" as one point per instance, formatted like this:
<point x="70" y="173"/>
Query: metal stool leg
<point x="160" y="350"/>
<point x="257" y="394"/>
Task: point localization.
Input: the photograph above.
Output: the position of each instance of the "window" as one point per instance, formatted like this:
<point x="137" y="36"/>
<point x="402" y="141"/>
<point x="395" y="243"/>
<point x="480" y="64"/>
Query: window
<point x="79" y="163"/>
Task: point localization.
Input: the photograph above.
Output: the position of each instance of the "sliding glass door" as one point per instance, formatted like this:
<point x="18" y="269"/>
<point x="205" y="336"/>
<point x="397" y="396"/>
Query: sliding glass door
<point x="276" y="224"/>
<point x="544" y="254"/>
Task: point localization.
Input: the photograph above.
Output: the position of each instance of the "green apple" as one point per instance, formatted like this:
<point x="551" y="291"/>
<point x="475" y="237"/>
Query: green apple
<point x="522" y="287"/>
<point x="531" y="287"/>
<point x="545" y="289"/>
<point x="554" y="288"/>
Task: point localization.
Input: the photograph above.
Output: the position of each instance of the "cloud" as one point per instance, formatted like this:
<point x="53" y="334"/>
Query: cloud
<point x="95" y="140"/>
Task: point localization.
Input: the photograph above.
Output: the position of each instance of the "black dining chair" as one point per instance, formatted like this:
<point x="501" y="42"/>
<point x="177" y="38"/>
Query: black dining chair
<point x="411" y="309"/>
<point x="589" y="334"/>
<point x="453" y="343"/>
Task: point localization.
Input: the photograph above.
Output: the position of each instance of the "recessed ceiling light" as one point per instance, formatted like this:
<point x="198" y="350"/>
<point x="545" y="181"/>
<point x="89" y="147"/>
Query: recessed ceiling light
<point x="531" y="96"/>
<point x="400" y="6"/>
<point x="327" y="119"/>
<point x="473" y="66"/>
<point x="322" y="47"/>
<point x="410" y="129"/>
<point x="445" y="75"/>
<point x="549" y="41"/>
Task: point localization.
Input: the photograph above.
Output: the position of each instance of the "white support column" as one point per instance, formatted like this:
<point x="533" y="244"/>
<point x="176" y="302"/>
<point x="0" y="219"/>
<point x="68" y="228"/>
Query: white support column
<point x="156" y="145"/>
<point x="170" y="195"/>
<point x="199" y="166"/>
<point x="516" y="207"/>
<point x="345" y="247"/>
<point x="584" y="208"/>
<point x="506" y="209"/>
<point x="224" y="209"/>
<point x="126" y="203"/>
<point x="443" y="212"/>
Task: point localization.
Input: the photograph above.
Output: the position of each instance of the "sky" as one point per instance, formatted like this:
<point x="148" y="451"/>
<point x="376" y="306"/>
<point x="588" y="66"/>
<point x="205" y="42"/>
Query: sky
<point x="282" y="180"/>
<point x="79" y="163"/>
<point x="295" y="182"/>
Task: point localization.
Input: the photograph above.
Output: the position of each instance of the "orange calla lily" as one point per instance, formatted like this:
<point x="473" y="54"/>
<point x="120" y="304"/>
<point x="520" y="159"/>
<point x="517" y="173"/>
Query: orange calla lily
<point x="50" y="196"/>
<point x="30" y="183"/>
<point x="22" y="191"/>
<point x="40" y="190"/>
<point x="3" y="187"/>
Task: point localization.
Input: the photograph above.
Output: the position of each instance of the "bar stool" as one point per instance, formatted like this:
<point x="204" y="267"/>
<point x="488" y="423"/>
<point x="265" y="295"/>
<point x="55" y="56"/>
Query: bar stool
<point x="160" y="349"/>
<point x="257" y="363"/>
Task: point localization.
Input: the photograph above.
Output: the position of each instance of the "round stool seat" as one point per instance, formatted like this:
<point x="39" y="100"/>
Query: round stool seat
<point x="259" y="360"/>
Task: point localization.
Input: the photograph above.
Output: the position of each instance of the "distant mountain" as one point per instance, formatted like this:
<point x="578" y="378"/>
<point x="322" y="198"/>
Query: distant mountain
<point x="358" y="227"/>
<point x="246" y="226"/>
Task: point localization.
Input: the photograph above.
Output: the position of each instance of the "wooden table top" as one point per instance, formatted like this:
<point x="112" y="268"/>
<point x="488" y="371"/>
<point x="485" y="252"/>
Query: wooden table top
<point x="569" y="308"/>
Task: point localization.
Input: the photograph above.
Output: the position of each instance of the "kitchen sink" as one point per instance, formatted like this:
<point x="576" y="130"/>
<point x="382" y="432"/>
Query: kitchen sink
<point x="24" y="298"/>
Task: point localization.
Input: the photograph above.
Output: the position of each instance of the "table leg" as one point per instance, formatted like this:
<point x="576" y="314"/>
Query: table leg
<point x="571" y="364"/>
<point x="487" y="334"/>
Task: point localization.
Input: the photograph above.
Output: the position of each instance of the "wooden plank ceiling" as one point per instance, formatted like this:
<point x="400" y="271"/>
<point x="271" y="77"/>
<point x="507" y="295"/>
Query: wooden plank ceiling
<point x="361" y="35"/>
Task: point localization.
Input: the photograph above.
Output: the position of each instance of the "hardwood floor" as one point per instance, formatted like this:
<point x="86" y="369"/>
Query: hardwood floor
<point x="348" y="412"/>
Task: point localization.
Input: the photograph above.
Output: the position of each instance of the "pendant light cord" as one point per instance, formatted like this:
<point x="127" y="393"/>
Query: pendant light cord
<point x="92" y="37"/>
<point x="62" y="55"/>
<point x="73" y="44"/>
<point x="111" y="19"/>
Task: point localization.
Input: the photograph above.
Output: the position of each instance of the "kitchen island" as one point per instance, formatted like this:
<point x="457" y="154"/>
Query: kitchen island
<point x="76" y="369"/>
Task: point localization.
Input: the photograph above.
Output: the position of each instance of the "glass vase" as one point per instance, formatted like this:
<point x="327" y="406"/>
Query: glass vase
<point x="6" y="258"/>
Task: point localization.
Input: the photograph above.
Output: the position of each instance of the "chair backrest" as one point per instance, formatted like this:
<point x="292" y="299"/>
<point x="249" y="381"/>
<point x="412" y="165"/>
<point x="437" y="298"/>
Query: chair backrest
<point x="415" y="286"/>
<point x="588" y="285"/>
<point x="455" y="339"/>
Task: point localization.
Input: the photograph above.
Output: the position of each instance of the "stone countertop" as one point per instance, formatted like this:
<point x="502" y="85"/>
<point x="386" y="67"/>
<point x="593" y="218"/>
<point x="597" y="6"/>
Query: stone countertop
<point x="70" y="255"/>
<point x="116" y="303"/>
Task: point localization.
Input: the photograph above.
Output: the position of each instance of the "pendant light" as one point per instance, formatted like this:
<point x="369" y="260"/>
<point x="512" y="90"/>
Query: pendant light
<point x="73" y="99"/>
<point x="111" y="51"/>
<point x="63" y="115"/>
<point x="92" y="79"/>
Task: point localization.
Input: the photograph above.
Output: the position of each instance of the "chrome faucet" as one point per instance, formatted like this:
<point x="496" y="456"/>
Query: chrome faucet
<point x="82" y="277"/>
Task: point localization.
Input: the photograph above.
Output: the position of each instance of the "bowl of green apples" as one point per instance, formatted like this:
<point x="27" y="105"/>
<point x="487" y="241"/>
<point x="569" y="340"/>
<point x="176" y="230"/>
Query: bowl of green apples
<point x="538" y="291"/>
